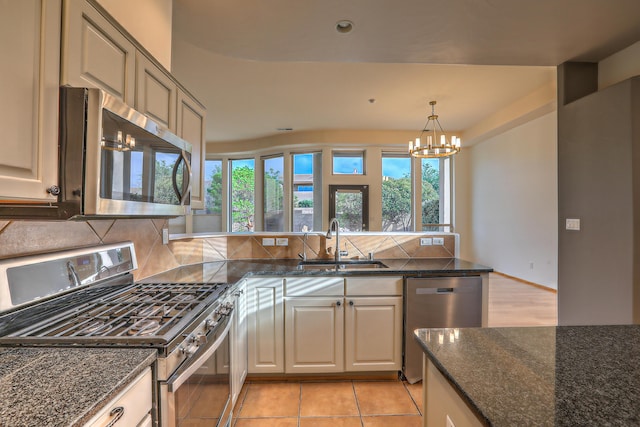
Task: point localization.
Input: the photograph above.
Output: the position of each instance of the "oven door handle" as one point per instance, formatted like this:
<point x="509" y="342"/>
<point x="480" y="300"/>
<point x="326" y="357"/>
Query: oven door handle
<point x="181" y="375"/>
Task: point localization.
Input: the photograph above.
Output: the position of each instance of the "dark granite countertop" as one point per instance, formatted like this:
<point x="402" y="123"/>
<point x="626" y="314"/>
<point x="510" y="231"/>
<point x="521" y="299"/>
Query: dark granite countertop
<point x="63" y="386"/>
<point x="543" y="376"/>
<point x="232" y="271"/>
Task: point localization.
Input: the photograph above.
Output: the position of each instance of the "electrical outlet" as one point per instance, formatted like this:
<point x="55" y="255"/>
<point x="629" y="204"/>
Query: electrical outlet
<point x="165" y="236"/>
<point x="282" y="241"/>
<point x="268" y="241"/>
<point x="426" y="241"/>
<point x="573" y="224"/>
<point x="438" y="241"/>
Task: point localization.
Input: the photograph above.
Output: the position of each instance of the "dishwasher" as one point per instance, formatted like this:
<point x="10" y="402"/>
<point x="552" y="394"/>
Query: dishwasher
<point x="437" y="302"/>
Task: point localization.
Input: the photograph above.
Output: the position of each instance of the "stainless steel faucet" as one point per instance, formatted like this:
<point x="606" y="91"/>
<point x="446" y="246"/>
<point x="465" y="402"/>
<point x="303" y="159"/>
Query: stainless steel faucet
<point x="337" y="253"/>
<point x="303" y="255"/>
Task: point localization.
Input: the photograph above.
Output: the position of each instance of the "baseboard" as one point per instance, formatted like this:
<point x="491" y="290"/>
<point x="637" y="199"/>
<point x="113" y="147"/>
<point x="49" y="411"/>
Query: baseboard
<point x="526" y="282"/>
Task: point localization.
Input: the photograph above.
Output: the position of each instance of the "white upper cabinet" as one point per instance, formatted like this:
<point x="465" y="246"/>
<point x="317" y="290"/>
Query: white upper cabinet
<point x="95" y="53"/>
<point x="155" y="93"/>
<point x="190" y="126"/>
<point x="30" y="34"/>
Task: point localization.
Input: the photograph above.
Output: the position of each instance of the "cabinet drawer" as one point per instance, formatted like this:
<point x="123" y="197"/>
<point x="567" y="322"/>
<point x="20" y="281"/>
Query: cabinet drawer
<point x="135" y="399"/>
<point x="314" y="286"/>
<point x="379" y="285"/>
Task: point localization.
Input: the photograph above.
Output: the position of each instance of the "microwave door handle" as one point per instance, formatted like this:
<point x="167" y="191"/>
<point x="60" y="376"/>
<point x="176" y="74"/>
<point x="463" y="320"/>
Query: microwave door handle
<point x="182" y="196"/>
<point x="177" y="379"/>
<point x="187" y="184"/>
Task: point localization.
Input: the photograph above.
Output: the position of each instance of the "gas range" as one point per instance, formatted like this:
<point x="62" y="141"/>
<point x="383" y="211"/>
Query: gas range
<point x="87" y="297"/>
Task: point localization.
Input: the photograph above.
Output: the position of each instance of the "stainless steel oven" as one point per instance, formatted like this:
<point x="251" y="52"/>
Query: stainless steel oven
<point x="87" y="297"/>
<point x="199" y="393"/>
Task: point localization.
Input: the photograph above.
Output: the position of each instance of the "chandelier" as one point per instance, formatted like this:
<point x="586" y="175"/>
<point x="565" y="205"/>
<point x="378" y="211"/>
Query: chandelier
<point x="436" y="143"/>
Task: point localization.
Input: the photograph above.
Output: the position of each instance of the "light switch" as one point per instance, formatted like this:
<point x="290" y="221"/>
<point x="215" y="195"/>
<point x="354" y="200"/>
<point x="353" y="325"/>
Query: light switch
<point x="426" y="241"/>
<point x="573" y="224"/>
<point x="282" y="241"/>
<point x="438" y="241"/>
<point x="268" y="241"/>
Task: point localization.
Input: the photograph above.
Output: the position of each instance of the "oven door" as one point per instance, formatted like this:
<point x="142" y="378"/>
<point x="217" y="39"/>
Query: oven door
<point x="199" y="392"/>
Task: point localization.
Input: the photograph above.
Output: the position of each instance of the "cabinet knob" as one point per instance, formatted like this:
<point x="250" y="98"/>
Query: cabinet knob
<point x="338" y="303"/>
<point x="54" y="190"/>
<point x="351" y="303"/>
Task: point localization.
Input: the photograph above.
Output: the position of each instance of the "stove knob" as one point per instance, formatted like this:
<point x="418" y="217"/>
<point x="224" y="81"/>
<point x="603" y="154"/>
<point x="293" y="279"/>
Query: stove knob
<point x="210" y="324"/>
<point x="201" y="339"/>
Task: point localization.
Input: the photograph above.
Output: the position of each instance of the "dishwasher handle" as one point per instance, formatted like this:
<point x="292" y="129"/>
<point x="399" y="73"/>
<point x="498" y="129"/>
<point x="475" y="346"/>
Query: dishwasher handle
<point x="436" y="291"/>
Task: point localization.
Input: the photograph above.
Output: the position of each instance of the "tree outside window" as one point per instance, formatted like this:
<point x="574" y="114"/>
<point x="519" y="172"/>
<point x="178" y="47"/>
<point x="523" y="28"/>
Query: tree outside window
<point x="242" y="195"/>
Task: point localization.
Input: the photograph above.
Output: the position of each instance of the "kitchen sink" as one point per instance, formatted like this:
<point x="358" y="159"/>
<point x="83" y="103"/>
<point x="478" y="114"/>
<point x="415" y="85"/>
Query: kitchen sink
<point x="340" y="265"/>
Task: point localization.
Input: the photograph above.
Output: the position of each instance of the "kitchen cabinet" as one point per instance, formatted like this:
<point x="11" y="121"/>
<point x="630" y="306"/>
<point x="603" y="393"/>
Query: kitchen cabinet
<point x="314" y="333"/>
<point x="338" y="325"/>
<point x="373" y="333"/>
<point x="445" y="407"/>
<point x="30" y="34"/>
<point x="155" y="92"/>
<point x="239" y="342"/>
<point x="190" y="126"/>
<point x="131" y="407"/>
<point x="95" y="53"/>
<point x="265" y="325"/>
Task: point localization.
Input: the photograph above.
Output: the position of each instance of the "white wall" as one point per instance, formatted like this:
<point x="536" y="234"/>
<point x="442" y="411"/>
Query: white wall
<point x="148" y="21"/>
<point x="507" y="201"/>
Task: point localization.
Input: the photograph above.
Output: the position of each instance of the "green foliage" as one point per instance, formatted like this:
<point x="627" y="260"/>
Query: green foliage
<point x="213" y="199"/>
<point x="242" y="202"/>
<point x="349" y="211"/>
<point x="430" y="194"/>
<point x="273" y="191"/>
<point x="396" y="203"/>
<point x="305" y="203"/>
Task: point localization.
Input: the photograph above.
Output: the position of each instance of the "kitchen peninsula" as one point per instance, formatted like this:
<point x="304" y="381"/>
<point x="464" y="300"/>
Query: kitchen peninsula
<point x="542" y="376"/>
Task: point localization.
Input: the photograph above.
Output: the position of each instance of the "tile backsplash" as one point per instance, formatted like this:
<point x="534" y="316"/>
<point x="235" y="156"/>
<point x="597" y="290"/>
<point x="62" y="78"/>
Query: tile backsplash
<point x="20" y="237"/>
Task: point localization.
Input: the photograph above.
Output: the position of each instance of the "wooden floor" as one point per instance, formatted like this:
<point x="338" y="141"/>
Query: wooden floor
<point x="379" y="403"/>
<point x="515" y="303"/>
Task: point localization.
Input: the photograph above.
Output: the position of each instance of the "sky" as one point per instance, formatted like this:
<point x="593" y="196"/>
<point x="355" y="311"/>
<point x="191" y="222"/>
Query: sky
<point x="394" y="167"/>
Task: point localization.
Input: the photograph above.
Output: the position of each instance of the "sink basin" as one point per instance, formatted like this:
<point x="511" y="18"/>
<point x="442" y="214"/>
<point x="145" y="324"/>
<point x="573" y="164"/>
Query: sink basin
<point x="342" y="265"/>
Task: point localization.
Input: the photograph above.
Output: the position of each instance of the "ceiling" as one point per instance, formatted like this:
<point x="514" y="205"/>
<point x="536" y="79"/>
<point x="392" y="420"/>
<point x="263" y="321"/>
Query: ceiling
<point x="259" y="66"/>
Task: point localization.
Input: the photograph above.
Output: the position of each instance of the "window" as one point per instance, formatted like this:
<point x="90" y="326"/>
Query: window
<point x="273" y="218"/>
<point x="241" y="203"/>
<point x="436" y="194"/>
<point x="348" y="162"/>
<point x="307" y="194"/>
<point x="349" y="204"/>
<point x="210" y="218"/>
<point x="397" y="193"/>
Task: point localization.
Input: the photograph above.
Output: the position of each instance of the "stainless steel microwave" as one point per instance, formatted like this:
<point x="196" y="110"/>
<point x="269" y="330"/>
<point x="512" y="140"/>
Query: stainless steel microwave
<point x="114" y="162"/>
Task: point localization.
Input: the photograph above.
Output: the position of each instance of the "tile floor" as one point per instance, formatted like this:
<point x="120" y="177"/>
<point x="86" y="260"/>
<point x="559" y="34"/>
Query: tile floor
<point x="361" y="403"/>
<point x="358" y="403"/>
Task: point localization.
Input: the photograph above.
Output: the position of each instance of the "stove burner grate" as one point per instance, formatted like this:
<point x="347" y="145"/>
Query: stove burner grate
<point x="141" y="310"/>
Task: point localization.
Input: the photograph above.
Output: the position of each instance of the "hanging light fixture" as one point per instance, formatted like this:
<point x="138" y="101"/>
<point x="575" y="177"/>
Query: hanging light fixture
<point x="435" y="144"/>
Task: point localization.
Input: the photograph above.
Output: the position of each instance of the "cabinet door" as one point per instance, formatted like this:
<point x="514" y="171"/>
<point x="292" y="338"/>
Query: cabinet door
<point x="135" y="401"/>
<point x="190" y="126"/>
<point x="95" y="53"/>
<point x="30" y="34"/>
<point x="239" y="344"/>
<point x="373" y="333"/>
<point x="155" y="92"/>
<point x="314" y="333"/>
<point x="265" y="325"/>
